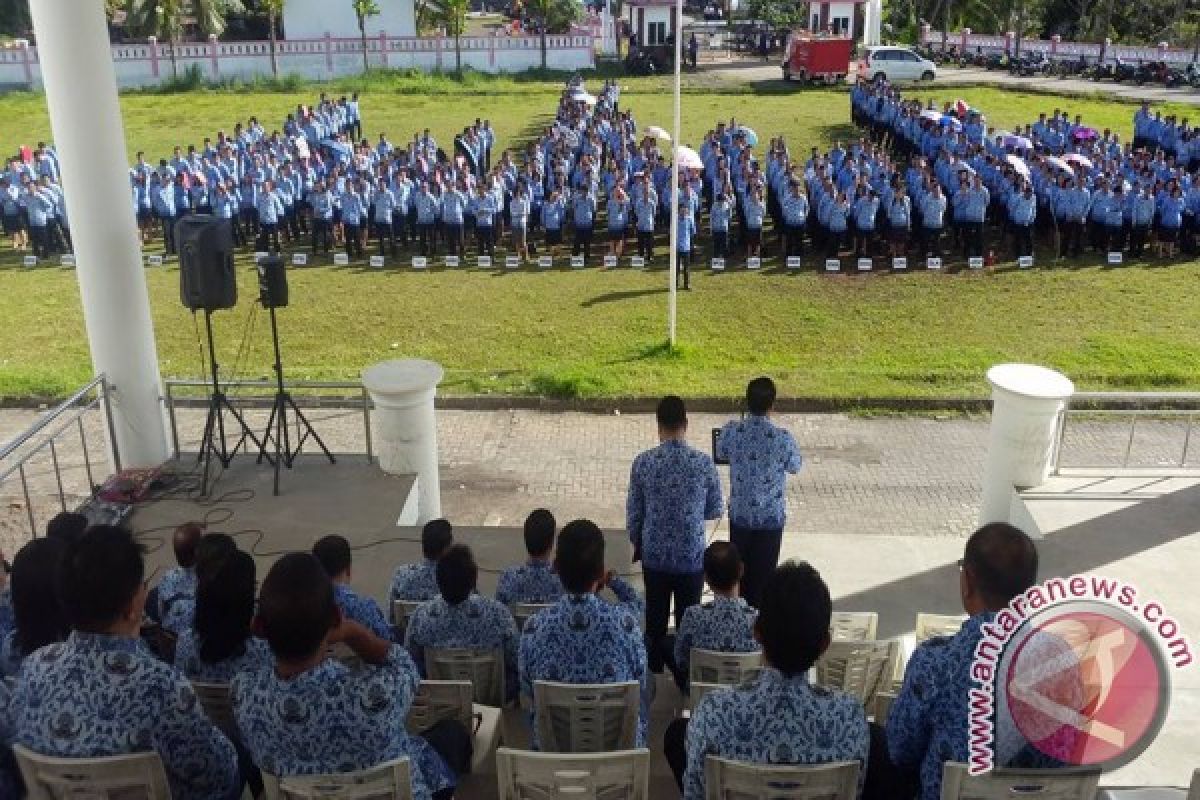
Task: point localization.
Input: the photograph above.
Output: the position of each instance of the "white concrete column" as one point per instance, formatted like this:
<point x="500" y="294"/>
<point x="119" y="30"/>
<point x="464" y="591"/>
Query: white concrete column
<point x="81" y="92"/>
<point x="1026" y="402"/>
<point x="405" y="427"/>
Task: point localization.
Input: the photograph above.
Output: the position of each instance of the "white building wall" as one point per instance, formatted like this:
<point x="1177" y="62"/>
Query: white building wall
<point x="312" y="19"/>
<point x="138" y="65"/>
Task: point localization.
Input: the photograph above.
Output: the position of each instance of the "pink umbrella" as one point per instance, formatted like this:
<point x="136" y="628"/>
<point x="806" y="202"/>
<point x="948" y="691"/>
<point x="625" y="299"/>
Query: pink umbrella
<point x="1076" y="158"/>
<point x="1085" y="134"/>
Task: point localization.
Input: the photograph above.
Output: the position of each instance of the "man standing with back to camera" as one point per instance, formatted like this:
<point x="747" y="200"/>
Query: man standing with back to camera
<point x="760" y="456"/>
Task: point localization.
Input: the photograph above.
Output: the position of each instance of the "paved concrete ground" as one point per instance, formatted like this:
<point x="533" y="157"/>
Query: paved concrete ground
<point x="746" y="72"/>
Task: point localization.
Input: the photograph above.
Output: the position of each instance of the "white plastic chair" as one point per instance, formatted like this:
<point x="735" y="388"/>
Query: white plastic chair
<point x="136" y="776"/>
<point x="698" y="689"/>
<point x="402" y="610"/>
<point x="930" y="625"/>
<point x="737" y="780"/>
<point x="214" y="699"/>
<point x="484" y="669"/>
<point x="441" y="700"/>
<point x="586" y="718"/>
<point x="730" y="669"/>
<point x="882" y="706"/>
<point x="523" y="611"/>
<point x="388" y="781"/>
<point x="862" y="669"/>
<point x="1073" y="783"/>
<point x="853" y="626"/>
<point x="525" y="775"/>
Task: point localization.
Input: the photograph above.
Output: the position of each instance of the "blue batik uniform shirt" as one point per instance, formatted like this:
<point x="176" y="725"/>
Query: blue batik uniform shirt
<point x="362" y="610"/>
<point x="415" y="582"/>
<point x="332" y="719"/>
<point x="673" y="489"/>
<point x="477" y="623"/>
<point x="100" y="695"/>
<point x="8" y="768"/>
<point x="254" y="654"/>
<point x="726" y="625"/>
<point x="760" y="455"/>
<point x="534" y="582"/>
<point x="585" y="639"/>
<point x="177" y="599"/>
<point x="775" y="719"/>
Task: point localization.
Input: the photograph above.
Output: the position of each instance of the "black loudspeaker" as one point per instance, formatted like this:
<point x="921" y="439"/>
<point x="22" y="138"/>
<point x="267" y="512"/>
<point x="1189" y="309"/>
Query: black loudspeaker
<point x="207" y="279"/>
<point x="272" y="282"/>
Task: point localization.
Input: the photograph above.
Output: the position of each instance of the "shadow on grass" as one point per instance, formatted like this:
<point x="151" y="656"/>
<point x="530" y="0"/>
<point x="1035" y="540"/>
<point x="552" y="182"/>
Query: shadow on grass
<point x="616" y="297"/>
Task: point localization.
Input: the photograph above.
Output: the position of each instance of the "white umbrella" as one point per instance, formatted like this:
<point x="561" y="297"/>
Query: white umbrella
<point x="688" y="158"/>
<point x="931" y="114"/>
<point x="1055" y="161"/>
<point x="586" y="98"/>
<point x="1018" y="164"/>
<point x="1076" y="158"/>
<point x="658" y="133"/>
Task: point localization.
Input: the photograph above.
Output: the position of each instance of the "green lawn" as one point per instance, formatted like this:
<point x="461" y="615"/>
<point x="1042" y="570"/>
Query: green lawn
<point x="598" y="333"/>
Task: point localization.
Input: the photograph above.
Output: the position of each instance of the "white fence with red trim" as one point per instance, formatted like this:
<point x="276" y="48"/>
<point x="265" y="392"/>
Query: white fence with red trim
<point x="150" y="64"/>
<point x="1054" y="47"/>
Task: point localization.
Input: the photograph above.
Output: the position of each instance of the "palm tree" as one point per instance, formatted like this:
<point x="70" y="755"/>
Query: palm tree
<point x="274" y="9"/>
<point x="165" y="19"/>
<point x="362" y="10"/>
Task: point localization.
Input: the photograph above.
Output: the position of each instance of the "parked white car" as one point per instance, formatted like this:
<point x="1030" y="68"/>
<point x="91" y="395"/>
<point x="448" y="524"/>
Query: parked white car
<point x="895" y="64"/>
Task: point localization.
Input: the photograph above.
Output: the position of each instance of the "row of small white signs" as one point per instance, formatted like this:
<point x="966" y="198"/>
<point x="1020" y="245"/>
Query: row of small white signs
<point x="637" y="262"/>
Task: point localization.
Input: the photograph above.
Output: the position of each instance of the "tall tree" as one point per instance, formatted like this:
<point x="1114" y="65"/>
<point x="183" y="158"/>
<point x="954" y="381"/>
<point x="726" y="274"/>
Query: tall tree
<point x="452" y="15"/>
<point x="362" y="10"/>
<point x="553" y="16"/>
<point x="274" y="9"/>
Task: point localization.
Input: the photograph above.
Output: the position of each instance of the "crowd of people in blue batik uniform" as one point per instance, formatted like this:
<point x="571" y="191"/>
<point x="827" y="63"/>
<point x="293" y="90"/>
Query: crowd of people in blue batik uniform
<point x="1054" y="178"/>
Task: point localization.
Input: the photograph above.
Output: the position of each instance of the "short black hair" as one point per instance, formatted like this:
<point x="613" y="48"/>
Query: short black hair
<point x="333" y="551"/>
<point x="225" y="608"/>
<point x="296" y="608"/>
<point x="456" y="574"/>
<point x="722" y="565"/>
<point x="66" y="526"/>
<point x="212" y="551"/>
<point x="793" y="617"/>
<point x="760" y="395"/>
<point x="99" y="576"/>
<point x="671" y="413"/>
<point x="436" y="536"/>
<point x="38" y="616"/>
<point x="579" y="557"/>
<point x="1002" y="562"/>
<point x="539" y="532"/>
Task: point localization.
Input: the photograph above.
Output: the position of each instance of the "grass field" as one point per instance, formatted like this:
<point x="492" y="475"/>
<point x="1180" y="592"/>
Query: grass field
<point x="597" y="333"/>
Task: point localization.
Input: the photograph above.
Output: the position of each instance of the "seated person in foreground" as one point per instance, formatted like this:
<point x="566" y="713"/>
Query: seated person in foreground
<point x="461" y="618"/>
<point x="310" y="715"/>
<point x="725" y="625"/>
<point x="334" y="554"/>
<point x="100" y="693"/>
<point x="418" y="582"/>
<point x="9" y="782"/>
<point x="39" y="620"/>
<point x="928" y="723"/>
<point x="583" y="638"/>
<point x="220" y="643"/>
<point x="780" y="718"/>
<point x="535" y="580"/>
<point x="176" y="594"/>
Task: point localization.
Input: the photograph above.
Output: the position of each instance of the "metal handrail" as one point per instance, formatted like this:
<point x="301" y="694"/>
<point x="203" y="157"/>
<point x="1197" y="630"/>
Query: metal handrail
<point x="1177" y="405"/>
<point x="364" y="400"/>
<point x="71" y="414"/>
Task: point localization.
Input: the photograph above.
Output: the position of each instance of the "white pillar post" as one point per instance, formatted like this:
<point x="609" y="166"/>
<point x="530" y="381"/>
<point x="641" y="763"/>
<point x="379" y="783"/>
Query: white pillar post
<point x="405" y="426"/>
<point x="1026" y="403"/>
<point x="81" y="92"/>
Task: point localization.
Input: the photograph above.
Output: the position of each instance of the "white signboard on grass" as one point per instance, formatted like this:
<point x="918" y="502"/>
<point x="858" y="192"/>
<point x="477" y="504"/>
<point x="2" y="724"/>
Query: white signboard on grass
<point x="793" y="262"/>
<point x="833" y="265"/>
<point x="451" y="261"/>
<point x="341" y="259"/>
<point x="299" y="259"/>
<point x="420" y="262"/>
<point x="754" y="262"/>
<point x="1116" y="257"/>
<point x="718" y="265"/>
<point x="67" y="260"/>
<point x="155" y="261"/>
<point x="933" y="262"/>
<point x="484" y="261"/>
<point x="865" y="264"/>
<point x="975" y="262"/>
<point x="545" y="262"/>
<point x="637" y="262"/>
<point x="610" y="262"/>
<point x="899" y="263"/>
<point x="1025" y="262"/>
<point x="511" y="262"/>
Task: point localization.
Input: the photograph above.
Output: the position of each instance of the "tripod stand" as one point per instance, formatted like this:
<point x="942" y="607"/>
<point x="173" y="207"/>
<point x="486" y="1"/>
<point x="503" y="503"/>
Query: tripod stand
<point x="277" y="423"/>
<point x="214" y="443"/>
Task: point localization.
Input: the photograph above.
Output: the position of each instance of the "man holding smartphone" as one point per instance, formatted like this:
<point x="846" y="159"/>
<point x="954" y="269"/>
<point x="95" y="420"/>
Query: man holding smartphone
<point x="761" y="455"/>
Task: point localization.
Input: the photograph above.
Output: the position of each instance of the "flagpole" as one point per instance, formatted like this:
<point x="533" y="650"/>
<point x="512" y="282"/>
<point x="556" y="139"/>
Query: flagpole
<point x="674" y="193"/>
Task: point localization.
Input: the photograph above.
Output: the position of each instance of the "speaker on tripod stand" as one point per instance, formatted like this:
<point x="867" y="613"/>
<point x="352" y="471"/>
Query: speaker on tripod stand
<point x="273" y="293"/>
<point x="208" y="283"/>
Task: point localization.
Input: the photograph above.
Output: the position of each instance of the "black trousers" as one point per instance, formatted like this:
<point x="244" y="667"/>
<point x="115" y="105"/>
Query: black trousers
<point x="485" y="237"/>
<point x="1023" y="240"/>
<point x="661" y="588"/>
<point x="793" y="240"/>
<point x="675" y="749"/>
<point x="268" y="237"/>
<point x="353" y="243"/>
<point x="322" y="234"/>
<point x="683" y="272"/>
<point x="1071" y="233"/>
<point x="39" y="240"/>
<point x="452" y="742"/>
<point x="720" y="244"/>
<point x="1137" y="239"/>
<point x="168" y="224"/>
<point x="1115" y="238"/>
<point x="583" y="241"/>
<point x="759" y="549"/>
<point x="386" y="233"/>
<point x="972" y="233"/>
<point x="645" y="241"/>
